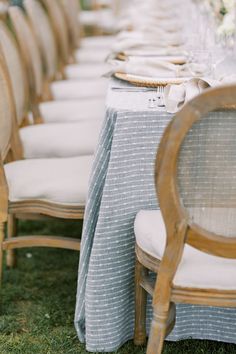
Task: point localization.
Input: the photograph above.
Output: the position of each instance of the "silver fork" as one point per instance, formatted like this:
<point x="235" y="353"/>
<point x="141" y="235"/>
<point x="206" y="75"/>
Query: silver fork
<point x="160" y="96"/>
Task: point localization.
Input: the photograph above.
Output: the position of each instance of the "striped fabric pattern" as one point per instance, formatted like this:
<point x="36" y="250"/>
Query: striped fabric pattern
<point x="122" y="183"/>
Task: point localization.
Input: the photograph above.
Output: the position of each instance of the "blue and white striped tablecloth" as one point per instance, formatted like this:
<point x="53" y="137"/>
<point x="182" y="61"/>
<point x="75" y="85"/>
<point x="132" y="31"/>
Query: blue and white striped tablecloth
<point x="122" y="183"/>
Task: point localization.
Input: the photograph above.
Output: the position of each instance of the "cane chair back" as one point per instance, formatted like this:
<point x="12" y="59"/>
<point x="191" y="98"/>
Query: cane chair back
<point x="44" y="33"/>
<point x="71" y="10"/>
<point x="16" y="71"/>
<point x="199" y="165"/>
<point x="58" y="21"/>
<point x="29" y="49"/>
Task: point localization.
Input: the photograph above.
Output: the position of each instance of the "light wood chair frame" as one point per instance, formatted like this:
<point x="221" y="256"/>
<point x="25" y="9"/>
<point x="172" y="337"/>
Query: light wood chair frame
<point x="39" y="86"/>
<point x="180" y="231"/>
<point x="4" y="22"/>
<point x="59" y="24"/>
<point x="71" y="11"/>
<point x="11" y="212"/>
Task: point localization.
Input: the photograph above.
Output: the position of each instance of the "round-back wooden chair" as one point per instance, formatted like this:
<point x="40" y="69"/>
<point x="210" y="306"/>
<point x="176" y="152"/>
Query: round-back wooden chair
<point x="45" y="89"/>
<point x="45" y="37"/>
<point x="58" y="20"/>
<point x="191" y="243"/>
<point x="17" y="72"/>
<point x="35" y="188"/>
<point x="31" y="57"/>
<point x="71" y="10"/>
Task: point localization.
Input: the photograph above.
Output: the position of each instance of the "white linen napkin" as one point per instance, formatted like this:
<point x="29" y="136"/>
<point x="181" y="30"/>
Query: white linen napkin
<point x="149" y="67"/>
<point x="143" y="41"/>
<point x="168" y="23"/>
<point x="177" y="95"/>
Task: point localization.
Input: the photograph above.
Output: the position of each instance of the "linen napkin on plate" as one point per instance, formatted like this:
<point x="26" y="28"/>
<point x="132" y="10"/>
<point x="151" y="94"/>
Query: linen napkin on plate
<point x="177" y="95"/>
<point x="143" y="41"/>
<point x="134" y="22"/>
<point x="149" y="67"/>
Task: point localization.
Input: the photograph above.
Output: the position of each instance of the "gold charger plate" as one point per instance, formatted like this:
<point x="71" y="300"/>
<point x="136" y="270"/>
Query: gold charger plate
<point x="148" y="81"/>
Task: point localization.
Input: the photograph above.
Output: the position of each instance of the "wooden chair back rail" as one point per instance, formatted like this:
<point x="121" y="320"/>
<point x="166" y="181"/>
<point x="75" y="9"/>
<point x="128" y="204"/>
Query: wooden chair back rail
<point x="45" y="37"/>
<point x="17" y="71"/>
<point x="10" y="145"/>
<point x="58" y="21"/>
<point x="29" y="52"/>
<point x="71" y="11"/>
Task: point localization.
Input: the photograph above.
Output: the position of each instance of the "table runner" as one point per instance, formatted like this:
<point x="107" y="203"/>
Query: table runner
<point x="122" y="183"/>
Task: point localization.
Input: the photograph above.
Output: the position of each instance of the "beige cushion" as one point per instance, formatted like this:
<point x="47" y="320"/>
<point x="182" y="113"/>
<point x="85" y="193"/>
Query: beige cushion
<point x="197" y="269"/>
<point x="76" y="89"/>
<point x="72" y="111"/>
<point x="103" y="18"/>
<point x="63" y="181"/>
<point x="86" y="71"/>
<point x="60" y="140"/>
<point x="93" y="18"/>
<point x="91" y="55"/>
<point x="98" y="42"/>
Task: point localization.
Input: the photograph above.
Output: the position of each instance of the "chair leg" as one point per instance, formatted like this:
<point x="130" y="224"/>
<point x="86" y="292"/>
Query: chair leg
<point x="1" y="249"/>
<point x="140" y="305"/>
<point x="158" y="332"/>
<point x="11" y="232"/>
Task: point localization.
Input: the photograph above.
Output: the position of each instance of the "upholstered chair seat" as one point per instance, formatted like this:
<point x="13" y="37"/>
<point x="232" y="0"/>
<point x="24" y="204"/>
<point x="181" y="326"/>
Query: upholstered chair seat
<point x="197" y="269"/>
<point x="103" y="19"/>
<point x="86" y="71"/>
<point x="70" y="89"/>
<point x="72" y="110"/>
<point x="62" y="181"/>
<point x="97" y="42"/>
<point x="88" y="55"/>
<point x="59" y="140"/>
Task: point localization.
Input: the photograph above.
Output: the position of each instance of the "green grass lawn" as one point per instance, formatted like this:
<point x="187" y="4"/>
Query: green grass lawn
<point x="38" y="301"/>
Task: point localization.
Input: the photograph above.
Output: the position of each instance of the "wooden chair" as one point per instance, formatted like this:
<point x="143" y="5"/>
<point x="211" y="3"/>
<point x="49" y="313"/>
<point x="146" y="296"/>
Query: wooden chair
<point x="191" y="242"/>
<point x="59" y="25"/>
<point x="75" y="30"/>
<point x="35" y="189"/>
<point x="49" y="48"/>
<point x="82" y="55"/>
<point x="71" y="10"/>
<point x="92" y="18"/>
<point x="44" y="88"/>
<point x="43" y="140"/>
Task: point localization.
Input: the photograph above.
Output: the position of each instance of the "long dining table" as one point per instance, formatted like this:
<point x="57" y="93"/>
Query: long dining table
<point x="121" y="184"/>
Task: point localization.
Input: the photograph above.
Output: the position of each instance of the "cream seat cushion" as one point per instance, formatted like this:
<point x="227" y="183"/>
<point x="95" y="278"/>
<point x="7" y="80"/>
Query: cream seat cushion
<point x="62" y="181"/>
<point x="197" y="269"/>
<point x="72" y="110"/>
<point x="96" y="17"/>
<point x="91" y="55"/>
<point x="60" y="140"/>
<point x="98" y="42"/>
<point x="86" y="71"/>
<point x="78" y="89"/>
